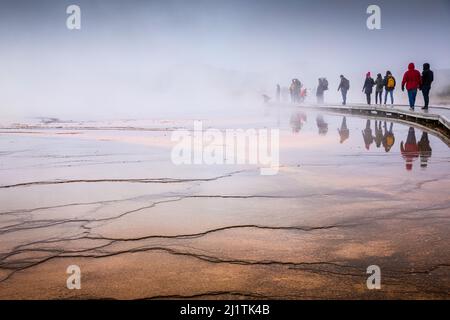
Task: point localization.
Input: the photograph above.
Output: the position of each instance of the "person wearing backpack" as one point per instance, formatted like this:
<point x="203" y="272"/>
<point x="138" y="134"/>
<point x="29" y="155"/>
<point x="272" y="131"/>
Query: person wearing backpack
<point x="344" y="86"/>
<point x="321" y="88"/>
<point x="379" y="84"/>
<point x="389" y="86"/>
<point x="368" y="87"/>
<point x="368" y="135"/>
<point x="388" y="137"/>
<point x="427" y="79"/>
<point x="413" y="81"/>
<point x="325" y="84"/>
<point x="319" y="92"/>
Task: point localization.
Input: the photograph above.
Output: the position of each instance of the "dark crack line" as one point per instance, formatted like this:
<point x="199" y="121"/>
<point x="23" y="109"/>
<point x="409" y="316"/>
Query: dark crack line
<point x="182" y="236"/>
<point x="17" y="212"/>
<point x="42" y="261"/>
<point x="23" y="247"/>
<point x="62" y="254"/>
<point x="35" y="224"/>
<point x="129" y="180"/>
<point x="292" y="265"/>
<point x="168" y="194"/>
<point x="51" y="223"/>
<point x="252" y="295"/>
<point x="204" y="233"/>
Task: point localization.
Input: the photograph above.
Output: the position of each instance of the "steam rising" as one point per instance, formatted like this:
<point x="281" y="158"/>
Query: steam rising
<point x="196" y="58"/>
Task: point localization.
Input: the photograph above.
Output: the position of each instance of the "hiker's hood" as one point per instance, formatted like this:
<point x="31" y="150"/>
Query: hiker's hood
<point x="411" y="66"/>
<point x="426" y="66"/>
<point x="367" y="74"/>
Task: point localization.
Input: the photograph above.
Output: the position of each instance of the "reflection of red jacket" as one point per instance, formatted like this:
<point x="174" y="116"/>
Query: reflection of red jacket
<point x="412" y="78"/>
<point x="409" y="151"/>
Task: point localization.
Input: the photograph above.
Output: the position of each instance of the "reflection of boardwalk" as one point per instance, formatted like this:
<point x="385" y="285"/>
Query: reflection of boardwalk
<point x="437" y="119"/>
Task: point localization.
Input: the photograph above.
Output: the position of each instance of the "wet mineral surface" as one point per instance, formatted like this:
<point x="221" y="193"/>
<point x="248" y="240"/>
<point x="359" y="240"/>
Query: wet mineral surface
<point x="350" y="193"/>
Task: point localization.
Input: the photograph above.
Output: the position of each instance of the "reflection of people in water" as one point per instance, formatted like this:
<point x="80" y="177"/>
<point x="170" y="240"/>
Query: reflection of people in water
<point x="367" y="135"/>
<point x="378" y="133"/>
<point x="297" y="121"/>
<point x="424" y="150"/>
<point x="322" y="125"/>
<point x="388" y="137"/>
<point x="343" y="131"/>
<point x="410" y="150"/>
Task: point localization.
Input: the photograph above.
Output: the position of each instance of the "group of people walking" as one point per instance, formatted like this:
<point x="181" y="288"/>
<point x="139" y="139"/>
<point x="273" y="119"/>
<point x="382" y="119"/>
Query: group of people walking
<point x="296" y="91"/>
<point x="412" y="80"/>
<point x="387" y="83"/>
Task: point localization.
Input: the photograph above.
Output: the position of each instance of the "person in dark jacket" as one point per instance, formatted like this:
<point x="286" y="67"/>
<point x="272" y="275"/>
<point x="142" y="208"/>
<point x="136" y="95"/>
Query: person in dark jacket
<point x="321" y="125"/>
<point x="367" y="135"/>
<point x="368" y="87"/>
<point x="389" y="86"/>
<point x="427" y="79"/>
<point x="379" y="84"/>
<point x="319" y="92"/>
<point x="378" y="133"/>
<point x="344" y="132"/>
<point x="413" y="81"/>
<point x="424" y="150"/>
<point x="344" y="86"/>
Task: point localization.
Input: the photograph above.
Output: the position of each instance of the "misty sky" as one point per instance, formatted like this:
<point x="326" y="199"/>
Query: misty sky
<point x="157" y="58"/>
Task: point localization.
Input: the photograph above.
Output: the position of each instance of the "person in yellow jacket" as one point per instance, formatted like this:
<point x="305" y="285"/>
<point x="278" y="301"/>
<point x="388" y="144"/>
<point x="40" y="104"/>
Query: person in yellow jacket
<point x="388" y="137"/>
<point x="389" y="86"/>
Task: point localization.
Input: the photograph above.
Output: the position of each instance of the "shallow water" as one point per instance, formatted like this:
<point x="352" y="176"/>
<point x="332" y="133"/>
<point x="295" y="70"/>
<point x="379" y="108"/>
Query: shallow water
<point x="111" y="201"/>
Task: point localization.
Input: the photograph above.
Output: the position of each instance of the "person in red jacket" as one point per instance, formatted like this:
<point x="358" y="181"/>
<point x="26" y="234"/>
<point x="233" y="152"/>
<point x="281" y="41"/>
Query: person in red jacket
<point x="413" y="81"/>
<point x="410" y="150"/>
